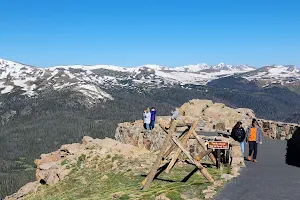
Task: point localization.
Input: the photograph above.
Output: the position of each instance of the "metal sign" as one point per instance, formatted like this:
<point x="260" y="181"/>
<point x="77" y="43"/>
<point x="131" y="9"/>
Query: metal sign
<point x="218" y="145"/>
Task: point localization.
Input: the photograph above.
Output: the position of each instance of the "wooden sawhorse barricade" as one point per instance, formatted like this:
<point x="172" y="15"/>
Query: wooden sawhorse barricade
<point x="181" y="144"/>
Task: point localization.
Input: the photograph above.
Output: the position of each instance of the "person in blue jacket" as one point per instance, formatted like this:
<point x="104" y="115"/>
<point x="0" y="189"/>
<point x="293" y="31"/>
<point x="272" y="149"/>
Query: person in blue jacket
<point x="153" y="117"/>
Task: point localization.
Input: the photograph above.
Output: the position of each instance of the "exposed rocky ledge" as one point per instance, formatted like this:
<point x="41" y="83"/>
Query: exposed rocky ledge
<point x="214" y="117"/>
<point x="55" y="166"/>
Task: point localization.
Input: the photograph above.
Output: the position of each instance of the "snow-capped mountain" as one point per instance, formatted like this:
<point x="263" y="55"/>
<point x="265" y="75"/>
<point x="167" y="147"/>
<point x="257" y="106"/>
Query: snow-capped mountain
<point x="31" y="80"/>
<point x="274" y="74"/>
<point x="90" y="80"/>
<point x="93" y="81"/>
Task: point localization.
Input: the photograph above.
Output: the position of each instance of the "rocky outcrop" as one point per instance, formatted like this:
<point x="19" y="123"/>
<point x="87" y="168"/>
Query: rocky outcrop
<point x="277" y="130"/>
<point x="135" y="134"/>
<point x="25" y="190"/>
<point x="55" y="166"/>
<point x="213" y="117"/>
<point x="216" y="116"/>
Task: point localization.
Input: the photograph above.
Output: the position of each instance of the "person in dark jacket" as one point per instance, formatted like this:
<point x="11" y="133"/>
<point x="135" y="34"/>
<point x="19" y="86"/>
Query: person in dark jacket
<point x="153" y="117"/>
<point x="238" y="134"/>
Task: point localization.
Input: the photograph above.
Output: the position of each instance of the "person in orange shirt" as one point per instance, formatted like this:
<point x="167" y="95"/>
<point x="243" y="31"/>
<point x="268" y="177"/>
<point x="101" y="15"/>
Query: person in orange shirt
<point x="253" y="136"/>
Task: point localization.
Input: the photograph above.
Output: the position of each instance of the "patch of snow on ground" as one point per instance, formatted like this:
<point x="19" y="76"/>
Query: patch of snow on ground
<point x="109" y="77"/>
<point x="23" y="83"/>
<point x="7" y="89"/>
<point x="93" y="92"/>
<point x="30" y="93"/>
<point x="71" y="76"/>
<point x="281" y="72"/>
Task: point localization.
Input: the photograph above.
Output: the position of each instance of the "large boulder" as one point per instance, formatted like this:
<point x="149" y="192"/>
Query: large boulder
<point x="216" y="116"/>
<point x="195" y="108"/>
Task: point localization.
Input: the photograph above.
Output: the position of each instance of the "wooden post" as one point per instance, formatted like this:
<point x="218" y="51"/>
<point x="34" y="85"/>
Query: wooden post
<point x="158" y="161"/>
<point x="202" y="144"/>
<point x="202" y="169"/>
<point x="219" y="158"/>
<point x="173" y="146"/>
<point x="184" y="144"/>
<point x="202" y="154"/>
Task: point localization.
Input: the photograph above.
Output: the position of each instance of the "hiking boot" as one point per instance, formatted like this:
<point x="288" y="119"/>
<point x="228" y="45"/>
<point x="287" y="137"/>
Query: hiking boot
<point x="249" y="158"/>
<point x="255" y="160"/>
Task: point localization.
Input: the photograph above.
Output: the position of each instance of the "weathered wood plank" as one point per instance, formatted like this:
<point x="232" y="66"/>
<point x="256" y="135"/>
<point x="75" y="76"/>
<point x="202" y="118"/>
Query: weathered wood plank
<point x="173" y="146"/>
<point x="184" y="143"/>
<point x="202" y="144"/>
<point x="202" y="154"/>
<point x="159" y="158"/>
<point x="202" y="169"/>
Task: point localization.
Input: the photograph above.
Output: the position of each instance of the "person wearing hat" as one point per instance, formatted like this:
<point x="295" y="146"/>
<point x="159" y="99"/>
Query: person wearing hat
<point x="253" y="136"/>
<point x="238" y="134"/>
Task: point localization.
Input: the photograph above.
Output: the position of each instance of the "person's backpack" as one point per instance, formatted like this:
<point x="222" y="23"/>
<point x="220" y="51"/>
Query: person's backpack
<point x="239" y="134"/>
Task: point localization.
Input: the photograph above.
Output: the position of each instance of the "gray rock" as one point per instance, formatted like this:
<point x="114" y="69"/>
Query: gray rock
<point x="227" y="177"/>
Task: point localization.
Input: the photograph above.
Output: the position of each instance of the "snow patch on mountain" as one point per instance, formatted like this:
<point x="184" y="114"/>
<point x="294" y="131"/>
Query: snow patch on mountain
<point x="7" y="89"/>
<point x="274" y="74"/>
<point x="93" y="92"/>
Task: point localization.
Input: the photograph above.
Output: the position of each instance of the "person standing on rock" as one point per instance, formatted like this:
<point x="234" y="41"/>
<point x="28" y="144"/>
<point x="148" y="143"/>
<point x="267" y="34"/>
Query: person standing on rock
<point x="147" y="119"/>
<point x="173" y="117"/>
<point x="175" y="114"/>
<point x="253" y="136"/>
<point x="238" y="134"/>
<point x="153" y="116"/>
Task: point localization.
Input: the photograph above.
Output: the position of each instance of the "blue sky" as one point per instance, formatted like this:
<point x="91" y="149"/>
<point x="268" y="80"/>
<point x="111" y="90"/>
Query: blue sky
<point x="166" y="32"/>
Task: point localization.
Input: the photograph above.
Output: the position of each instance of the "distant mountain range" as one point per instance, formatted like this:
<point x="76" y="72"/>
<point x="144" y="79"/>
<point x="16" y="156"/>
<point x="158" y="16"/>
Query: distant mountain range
<point x="91" y="80"/>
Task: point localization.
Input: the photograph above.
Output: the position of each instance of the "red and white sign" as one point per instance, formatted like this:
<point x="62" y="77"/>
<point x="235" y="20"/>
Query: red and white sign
<point x="218" y="145"/>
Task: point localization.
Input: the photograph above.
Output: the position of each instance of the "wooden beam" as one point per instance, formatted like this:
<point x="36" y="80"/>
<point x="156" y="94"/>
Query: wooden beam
<point x="219" y="163"/>
<point x="202" y="169"/>
<point x="184" y="143"/>
<point x="159" y="158"/>
<point x="202" y="144"/>
<point x="202" y="154"/>
<point x="173" y="146"/>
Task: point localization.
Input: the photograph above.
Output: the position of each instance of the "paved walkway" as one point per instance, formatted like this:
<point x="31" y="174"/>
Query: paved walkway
<point x="269" y="179"/>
